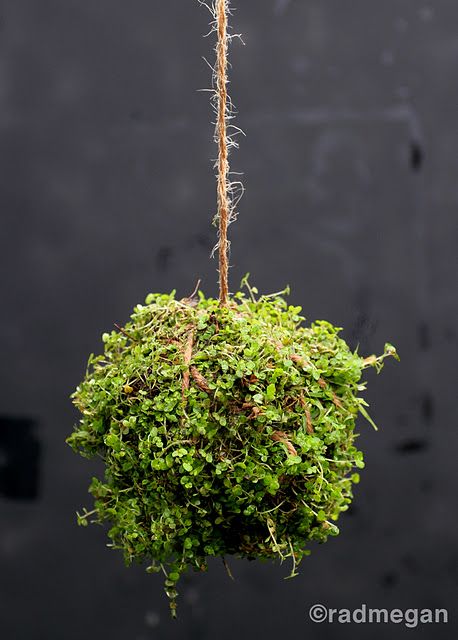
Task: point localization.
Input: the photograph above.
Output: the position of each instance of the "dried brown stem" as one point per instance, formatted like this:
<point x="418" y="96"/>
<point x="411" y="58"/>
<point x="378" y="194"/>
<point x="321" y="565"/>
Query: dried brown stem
<point x="124" y="332"/>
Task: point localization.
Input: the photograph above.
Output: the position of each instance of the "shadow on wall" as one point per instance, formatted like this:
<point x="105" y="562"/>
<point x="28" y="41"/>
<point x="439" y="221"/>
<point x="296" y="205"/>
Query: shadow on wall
<point x="20" y="457"/>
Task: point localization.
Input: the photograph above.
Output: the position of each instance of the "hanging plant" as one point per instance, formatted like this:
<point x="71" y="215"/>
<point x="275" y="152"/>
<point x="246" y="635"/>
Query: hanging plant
<point x="227" y="426"/>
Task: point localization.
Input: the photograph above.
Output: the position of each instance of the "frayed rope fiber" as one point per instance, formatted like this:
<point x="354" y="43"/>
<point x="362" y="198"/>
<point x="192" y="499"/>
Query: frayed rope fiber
<point x="222" y="10"/>
<point x="229" y="192"/>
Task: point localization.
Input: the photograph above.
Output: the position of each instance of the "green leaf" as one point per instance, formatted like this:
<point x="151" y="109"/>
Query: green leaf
<point x="270" y="392"/>
<point x="367" y="416"/>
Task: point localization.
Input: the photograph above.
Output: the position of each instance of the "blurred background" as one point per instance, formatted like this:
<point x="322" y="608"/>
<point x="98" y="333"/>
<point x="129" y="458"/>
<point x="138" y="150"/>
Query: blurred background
<point x="107" y="193"/>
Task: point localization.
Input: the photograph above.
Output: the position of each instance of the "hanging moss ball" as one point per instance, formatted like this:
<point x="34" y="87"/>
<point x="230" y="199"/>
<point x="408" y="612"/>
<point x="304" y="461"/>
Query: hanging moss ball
<point x="224" y="431"/>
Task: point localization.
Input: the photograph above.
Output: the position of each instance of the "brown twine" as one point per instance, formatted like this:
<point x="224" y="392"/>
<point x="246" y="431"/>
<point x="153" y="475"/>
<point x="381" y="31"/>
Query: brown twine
<point x="187" y="357"/>
<point x="281" y="436"/>
<point x="224" y="204"/>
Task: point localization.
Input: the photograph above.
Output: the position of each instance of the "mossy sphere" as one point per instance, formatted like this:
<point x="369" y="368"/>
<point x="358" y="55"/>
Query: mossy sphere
<point x="224" y="431"/>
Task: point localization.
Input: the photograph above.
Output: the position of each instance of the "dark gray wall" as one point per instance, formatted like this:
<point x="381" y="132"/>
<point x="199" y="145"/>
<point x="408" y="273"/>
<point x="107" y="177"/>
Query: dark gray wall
<point x="107" y="193"/>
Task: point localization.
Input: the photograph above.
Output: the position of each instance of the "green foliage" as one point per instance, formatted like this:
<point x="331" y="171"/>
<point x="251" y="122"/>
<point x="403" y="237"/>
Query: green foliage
<point x="223" y="431"/>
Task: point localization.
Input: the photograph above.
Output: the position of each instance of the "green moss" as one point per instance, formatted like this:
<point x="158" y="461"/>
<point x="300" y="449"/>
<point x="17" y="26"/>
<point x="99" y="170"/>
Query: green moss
<point x="223" y="431"/>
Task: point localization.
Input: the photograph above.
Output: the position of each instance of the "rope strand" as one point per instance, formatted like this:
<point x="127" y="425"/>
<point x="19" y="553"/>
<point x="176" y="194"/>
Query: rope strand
<point x="224" y="203"/>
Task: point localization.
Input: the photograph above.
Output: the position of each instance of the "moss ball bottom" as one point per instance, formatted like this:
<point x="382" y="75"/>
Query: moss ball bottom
<point x="223" y="430"/>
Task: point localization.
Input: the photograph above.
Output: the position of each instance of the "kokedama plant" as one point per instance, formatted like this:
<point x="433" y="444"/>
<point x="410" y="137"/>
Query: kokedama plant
<point x="227" y="427"/>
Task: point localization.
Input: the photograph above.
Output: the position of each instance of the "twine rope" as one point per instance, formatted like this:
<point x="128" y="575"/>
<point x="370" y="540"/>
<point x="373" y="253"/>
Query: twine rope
<point x="224" y="201"/>
<point x="229" y="192"/>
